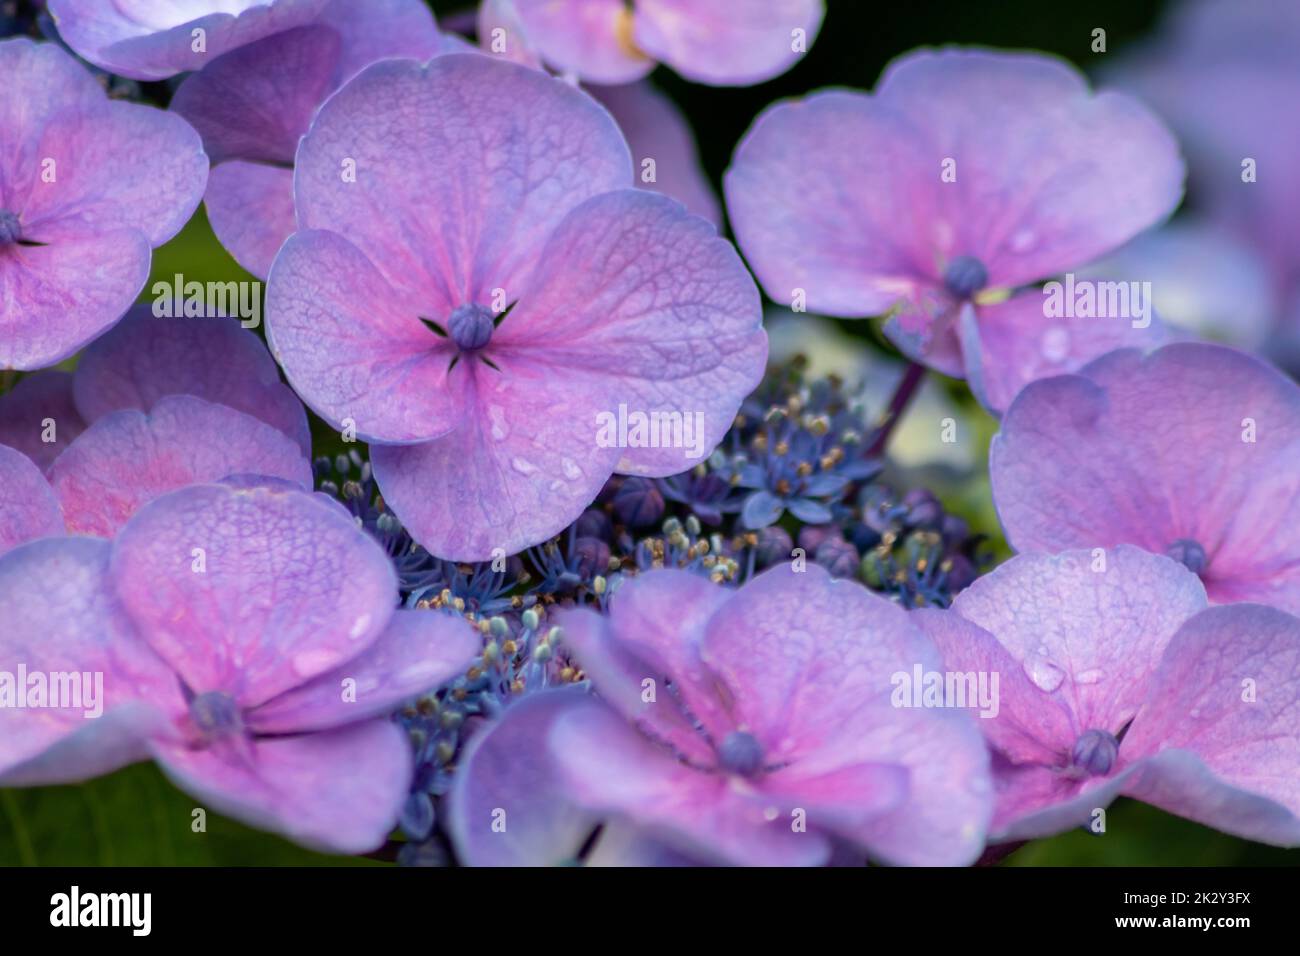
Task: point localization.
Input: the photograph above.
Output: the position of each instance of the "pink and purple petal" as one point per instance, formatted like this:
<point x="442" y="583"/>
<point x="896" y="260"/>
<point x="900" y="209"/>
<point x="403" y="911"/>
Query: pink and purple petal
<point x="656" y="313"/>
<point x="250" y="207"/>
<point x="356" y="354"/>
<point x="1087" y="631"/>
<point x="40" y="406"/>
<point x="1034" y="149"/>
<point x="1221" y="725"/>
<point x="252" y="591"/>
<point x="846" y="226"/>
<point x="128" y="458"/>
<point x="609" y="768"/>
<point x="52" y="302"/>
<point x="810" y="665"/>
<point x="509" y="804"/>
<point x="590" y="39"/>
<point x="339" y="791"/>
<point x="1008" y="345"/>
<point x="728" y="42"/>
<point x="28" y="507"/>
<point x="104" y="181"/>
<point x="148" y="40"/>
<point x="60" y="618"/>
<point x="417" y="652"/>
<point x="611" y="660"/>
<point x="522" y="465"/>
<point x="448" y="218"/>
<point x="144" y="358"/>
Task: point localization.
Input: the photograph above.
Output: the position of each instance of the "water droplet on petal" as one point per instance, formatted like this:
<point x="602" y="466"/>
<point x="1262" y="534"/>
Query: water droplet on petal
<point x="522" y="466"/>
<point x="1088" y="677"/>
<point x="571" y="470"/>
<point x="1046" y="675"/>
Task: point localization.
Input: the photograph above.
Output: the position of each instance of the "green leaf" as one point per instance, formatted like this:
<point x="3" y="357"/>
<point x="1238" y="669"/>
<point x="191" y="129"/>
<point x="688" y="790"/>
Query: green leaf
<point x="134" y="817"/>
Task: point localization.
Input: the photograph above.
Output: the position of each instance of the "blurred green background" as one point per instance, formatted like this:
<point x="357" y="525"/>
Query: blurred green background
<point x="135" y="817"/>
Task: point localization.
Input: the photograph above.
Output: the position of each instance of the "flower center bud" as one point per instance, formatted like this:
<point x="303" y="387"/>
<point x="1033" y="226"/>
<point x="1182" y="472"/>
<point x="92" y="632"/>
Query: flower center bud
<point x="965" y="276"/>
<point x="741" y="753"/>
<point x="216" y="715"/>
<point x="1094" y="752"/>
<point x="1189" y="554"/>
<point x="11" y="229"/>
<point x="470" y="326"/>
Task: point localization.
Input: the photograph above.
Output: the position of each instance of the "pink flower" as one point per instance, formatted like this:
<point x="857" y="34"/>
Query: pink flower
<point x="754" y="727"/>
<point x="475" y="284"/>
<point x="248" y="641"/>
<point x="1192" y="451"/>
<point x="966" y="175"/>
<point x="1115" y="680"/>
<point x="719" y="42"/>
<point x="83" y="202"/>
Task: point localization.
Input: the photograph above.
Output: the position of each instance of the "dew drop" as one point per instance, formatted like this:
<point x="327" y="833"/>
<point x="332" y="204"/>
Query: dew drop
<point x="523" y="467"/>
<point x="571" y="470"/>
<point x="1088" y="677"/>
<point x="1046" y="675"/>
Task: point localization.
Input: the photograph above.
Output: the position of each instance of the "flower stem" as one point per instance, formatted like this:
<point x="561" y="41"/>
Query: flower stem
<point x="907" y="387"/>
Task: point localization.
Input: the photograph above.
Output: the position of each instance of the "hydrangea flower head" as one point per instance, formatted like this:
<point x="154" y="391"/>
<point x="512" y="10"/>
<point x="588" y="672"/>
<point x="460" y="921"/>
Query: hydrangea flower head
<point x="81" y="204"/>
<point x="155" y="39"/>
<point x="1192" y="451"/>
<point x="966" y="174"/>
<point x="754" y="726"/>
<point x="1116" y="680"/>
<point x="719" y="42"/>
<point x="475" y="285"/>
<point x="252" y="105"/>
<point x="249" y="642"/>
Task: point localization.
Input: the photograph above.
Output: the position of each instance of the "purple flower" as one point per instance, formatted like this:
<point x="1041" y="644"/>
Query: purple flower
<point x="169" y="402"/>
<point x="753" y="726"/>
<point x="473" y="294"/>
<point x="1115" y="680"/>
<point x="1192" y="451"/>
<point x="155" y="39"/>
<point x="719" y="42"/>
<point x="966" y="175"/>
<point x="248" y="641"/>
<point x="81" y="203"/>
<point x="252" y="105"/>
